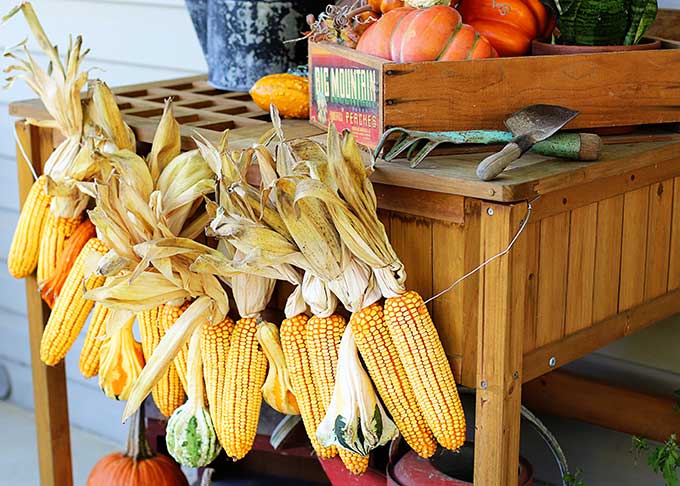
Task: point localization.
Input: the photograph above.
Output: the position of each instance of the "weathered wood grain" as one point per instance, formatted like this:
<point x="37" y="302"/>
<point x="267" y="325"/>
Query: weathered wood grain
<point x="581" y="270"/>
<point x="587" y="340"/>
<point x="674" y="260"/>
<point x="569" y="396"/>
<point x="634" y="248"/>
<point x="552" y="278"/>
<point x="658" y="238"/>
<point x="499" y="353"/>
<point x="607" y="257"/>
<point x="49" y="383"/>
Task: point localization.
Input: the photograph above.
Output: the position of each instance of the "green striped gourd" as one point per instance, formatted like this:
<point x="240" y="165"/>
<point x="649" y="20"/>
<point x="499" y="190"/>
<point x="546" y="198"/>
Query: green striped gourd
<point x="190" y="434"/>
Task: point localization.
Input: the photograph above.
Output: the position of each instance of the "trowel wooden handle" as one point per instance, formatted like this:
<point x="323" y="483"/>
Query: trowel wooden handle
<point x="494" y="164"/>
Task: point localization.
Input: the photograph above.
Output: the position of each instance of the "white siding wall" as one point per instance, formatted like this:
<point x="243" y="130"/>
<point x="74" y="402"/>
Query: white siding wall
<point x="144" y="40"/>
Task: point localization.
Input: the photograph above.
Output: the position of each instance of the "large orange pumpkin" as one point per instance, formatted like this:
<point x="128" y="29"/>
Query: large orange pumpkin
<point x="429" y="34"/>
<point x="510" y="25"/>
<point x="138" y="465"/>
<point x="385" y="6"/>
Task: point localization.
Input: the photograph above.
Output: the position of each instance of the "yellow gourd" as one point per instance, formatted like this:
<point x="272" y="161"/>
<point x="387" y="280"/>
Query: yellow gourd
<point x="288" y="92"/>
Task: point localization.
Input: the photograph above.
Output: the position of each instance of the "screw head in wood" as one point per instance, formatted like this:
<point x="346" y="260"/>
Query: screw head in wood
<point x="489" y="211"/>
<point x="484" y="385"/>
<point x="552" y="362"/>
<point x="515" y="375"/>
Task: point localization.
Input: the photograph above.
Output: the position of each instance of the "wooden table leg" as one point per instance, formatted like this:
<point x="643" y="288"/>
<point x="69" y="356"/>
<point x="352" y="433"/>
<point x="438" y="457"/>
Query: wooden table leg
<point x="499" y="352"/>
<point x="49" y="383"/>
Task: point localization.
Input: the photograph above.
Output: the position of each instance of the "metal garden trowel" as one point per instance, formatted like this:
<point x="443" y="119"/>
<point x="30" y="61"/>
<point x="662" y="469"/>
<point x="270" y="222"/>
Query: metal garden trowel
<point x="529" y="126"/>
<point x="418" y="144"/>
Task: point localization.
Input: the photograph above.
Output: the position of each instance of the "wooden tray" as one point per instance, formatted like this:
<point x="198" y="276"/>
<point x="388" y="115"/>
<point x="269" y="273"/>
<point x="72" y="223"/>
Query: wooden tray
<point x="369" y="95"/>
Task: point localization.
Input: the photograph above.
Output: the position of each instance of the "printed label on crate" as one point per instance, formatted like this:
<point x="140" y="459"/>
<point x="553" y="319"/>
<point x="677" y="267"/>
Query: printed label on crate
<point x="346" y="93"/>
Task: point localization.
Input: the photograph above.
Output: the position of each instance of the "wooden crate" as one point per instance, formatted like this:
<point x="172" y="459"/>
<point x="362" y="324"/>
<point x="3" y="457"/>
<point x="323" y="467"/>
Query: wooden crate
<point x="369" y="95"/>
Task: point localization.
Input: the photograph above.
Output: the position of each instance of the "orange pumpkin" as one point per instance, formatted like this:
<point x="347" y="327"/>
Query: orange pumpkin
<point x="416" y="35"/>
<point x="385" y="6"/>
<point x="509" y="25"/>
<point x="138" y="465"/>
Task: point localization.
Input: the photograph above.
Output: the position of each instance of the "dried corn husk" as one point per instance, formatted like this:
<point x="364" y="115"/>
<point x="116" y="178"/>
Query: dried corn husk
<point x="355" y="419"/>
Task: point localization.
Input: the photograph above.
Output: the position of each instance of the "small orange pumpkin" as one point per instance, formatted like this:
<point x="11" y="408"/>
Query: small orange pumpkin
<point x="430" y="34"/>
<point x="138" y="465"/>
<point x="288" y="92"/>
<point x="509" y="25"/>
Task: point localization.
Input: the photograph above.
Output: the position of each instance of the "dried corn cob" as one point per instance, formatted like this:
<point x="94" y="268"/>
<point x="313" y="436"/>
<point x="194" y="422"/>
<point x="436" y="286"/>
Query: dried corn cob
<point x="169" y="314"/>
<point x="245" y="375"/>
<point x="323" y="340"/>
<point x="89" y="354"/>
<point x="294" y="345"/>
<point x="427" y="367"/>
<point x="389" y="376"/>
<point x="24" y="250"/>
<point x="71" y="310"/>
<point x="50" y="288"/>
<point x="52" y="242"/>
<point x="168" y="393"/>
<point x="214" y="349"/>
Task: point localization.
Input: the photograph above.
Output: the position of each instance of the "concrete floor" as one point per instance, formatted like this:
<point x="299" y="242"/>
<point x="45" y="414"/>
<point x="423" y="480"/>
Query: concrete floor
<point x="19" y="457"/>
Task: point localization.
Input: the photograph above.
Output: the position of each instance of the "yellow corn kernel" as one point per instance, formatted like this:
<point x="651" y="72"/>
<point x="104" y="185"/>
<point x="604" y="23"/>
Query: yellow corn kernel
<point x="89" y="354"/>
<point x="428" y="370"/>
<point x="25" y="248"/>
<point x="168" y="393"/>
<point x="323" y="340"/>
<point x="245" y="374"/>
<point x="389" y="376"/>
<point x="294" y="344"/>
<point x="215" y="349"/>
<point x="71" y="309"/>
<point x="168" y="316"/>
<point x="52" y="241"/>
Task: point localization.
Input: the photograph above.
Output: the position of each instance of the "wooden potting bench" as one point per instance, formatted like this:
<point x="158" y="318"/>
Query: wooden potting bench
<point x="598" y="260"/>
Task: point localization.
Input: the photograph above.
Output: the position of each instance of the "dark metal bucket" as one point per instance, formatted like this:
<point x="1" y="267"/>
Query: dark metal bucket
<point x="198" y="10"/>
<point x="246" y="39"/>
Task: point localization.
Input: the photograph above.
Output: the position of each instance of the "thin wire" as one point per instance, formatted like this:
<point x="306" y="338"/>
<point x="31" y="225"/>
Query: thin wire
<point x="25" y="155"/>
<point x="525" y="221"/>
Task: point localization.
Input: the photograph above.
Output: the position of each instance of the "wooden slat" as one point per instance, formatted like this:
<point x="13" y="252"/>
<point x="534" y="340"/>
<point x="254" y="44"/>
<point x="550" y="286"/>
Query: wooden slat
<point x="532" y="235"/>
<point x="569" y="396"/>
<point x="471" y="299"/>
<point x="634" y="248"/>
<point x="49" y="383"/>
<point x="607" y="257"/>
<point x="581" y="270"/>
<point x="599" y="86"/>
<point x="434" y="205"/>
<point x="499" y="353"/>
<point x="448" y="257"/>
<point x="552" y="278"/>
<point x="412" y="241"/>
<point x="633" y="176"/>
<point x="674" y="260"/>
<point x="658" y="238"/>
<point x="577" y="345"/>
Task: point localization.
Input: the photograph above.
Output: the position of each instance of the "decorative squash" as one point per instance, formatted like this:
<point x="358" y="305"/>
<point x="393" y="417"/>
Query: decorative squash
<point x="121" y="360"/>
<point x="384" y="6"/>
<point x="138" y="465"/>
<point x="190" y="435"/>
<point x="416" y="35"/>
<point x="511" y="25"/>
<point x="426" y="3"/>
<point x="288" y="92"/>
